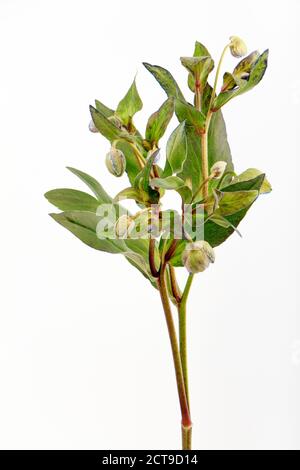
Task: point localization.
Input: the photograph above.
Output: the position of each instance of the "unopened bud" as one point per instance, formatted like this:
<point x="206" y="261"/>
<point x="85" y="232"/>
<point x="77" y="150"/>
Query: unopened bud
<point x="217" y="170"/>
<point x="115" y="161"/>
<point x="197" y="256"/>
<point x="124" y="226"/>
<point x="92" y="127"/>
<point x="116" y="121"/>
<point x="156" y="154"/>
<point x="237" y="46"/>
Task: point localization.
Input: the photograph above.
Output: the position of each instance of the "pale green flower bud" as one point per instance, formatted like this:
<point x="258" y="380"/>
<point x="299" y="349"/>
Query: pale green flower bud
<point x="92" y="127"/>
<point x="217" y="170"/>
<point x="237" y="46"/>
<point x="124" y="226"/>
<point x="197" y="256"/>
<point x="115" y="161"/>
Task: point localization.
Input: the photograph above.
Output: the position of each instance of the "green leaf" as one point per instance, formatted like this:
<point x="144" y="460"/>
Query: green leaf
<point x="84" y="226"/>
<point x="93" y="184"/>
<point x="72" y="199"/>
<point x="142" y="182"/>
<point x="251" y="176"/>
<point x="170" y="182"/>
<point x="166" y="80"/>
<point x="199" y="68"/>
<point x="218" y="149"/>
<point x="104" y="126"/>
<point x="223" y="222"/>
<point x="107" y="112"/>
<point x="214" y="233"/>
<point x="187" y="112"/>
<point x="175" y="183"/>
<point x="243" y="69"/>
<point x="131" y="193"/>
<point x="129" y="105"/>
<point x="158" y="122"/>
<point x="132" y="166"/>
<point x="200" y="50"/>
<point x="246" y="64"/>
<point x="256" y="74"/>
<point x="232" y="202"/>
<point x="176" y="151"/>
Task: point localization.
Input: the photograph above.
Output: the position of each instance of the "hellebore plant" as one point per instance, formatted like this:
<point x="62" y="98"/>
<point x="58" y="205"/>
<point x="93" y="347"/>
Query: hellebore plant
<point x="198" y="166"/>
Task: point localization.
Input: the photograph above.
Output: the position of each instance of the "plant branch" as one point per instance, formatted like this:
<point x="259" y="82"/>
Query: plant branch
<point x="204" y="137"/>
<point x="171" y="249"/>
<point x="174" y="285"/>
<point x="185" y="414"/>
<point x="152" y="265"/>
<point x="139" y="157"/>
<point x="182" y="333"/>
<point x="198" y="94"/>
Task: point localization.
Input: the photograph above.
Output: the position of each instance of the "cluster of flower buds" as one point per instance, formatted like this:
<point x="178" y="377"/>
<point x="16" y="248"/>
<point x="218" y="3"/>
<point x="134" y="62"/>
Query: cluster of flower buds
<point x="237" y="46"/>
<point x="197" y="256"/>
<point x="115" y="161"/>
<point x="217" y="170"/>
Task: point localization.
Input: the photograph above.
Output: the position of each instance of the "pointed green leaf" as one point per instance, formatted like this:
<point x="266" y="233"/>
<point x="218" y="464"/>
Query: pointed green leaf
<point x="233" y="202"/>
<point x="242" y="70"/>
<point x="83" y="225"/>
<point x="199" y="51"/>
<point x="252" y="176"/>
<point x="107" y="112"/>
<point x="218" y="149"/>
<point x="256" y="74"/>
<point x="93" y="184"/>
<point x="199" y="68"/>
<point x="175" y="183"/>
<point x="187" y="112"/>
<point x="131" y="193"/>
<point x="158" y="122"/>
<point x="170" y="182"/>
<point x="72" y="199"/>
<point x="104" y="126"/>
<point x="129" y="105"/>
<point x="132" y="164"/>
<point x="176" y="151"/>
<point x="166" y="80"/>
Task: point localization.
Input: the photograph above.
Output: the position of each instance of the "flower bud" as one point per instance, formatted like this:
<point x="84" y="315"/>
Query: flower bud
<point x="124" y="226"/>
<point x="237" y="46"/>
<point x="155" y="152"/>
<point x="116" y="121"/>
<point x="217" y="170"/>
<point x="115" y="162"/>
<point x="197" y="256"/>
<point x="92" y="127"/>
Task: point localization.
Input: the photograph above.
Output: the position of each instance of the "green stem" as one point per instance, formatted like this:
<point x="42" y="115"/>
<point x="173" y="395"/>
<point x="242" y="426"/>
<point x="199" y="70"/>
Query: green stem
<point x="204" y="159"/>
<point x="204" y="137"/>
<point x="186" y="424"/>
<point x="216" y="78"/>
<point x="139" y="157"/>
<point x="174" y="285"/>
<point x="182" y="334"/>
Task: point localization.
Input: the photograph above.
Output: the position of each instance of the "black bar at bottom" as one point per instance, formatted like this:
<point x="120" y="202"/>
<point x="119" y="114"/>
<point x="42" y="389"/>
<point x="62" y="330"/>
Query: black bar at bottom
<point x="135" y="458"/>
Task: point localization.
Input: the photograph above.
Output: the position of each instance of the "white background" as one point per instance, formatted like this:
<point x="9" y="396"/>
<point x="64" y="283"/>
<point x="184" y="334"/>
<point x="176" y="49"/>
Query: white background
<point x="84" y="355"/>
